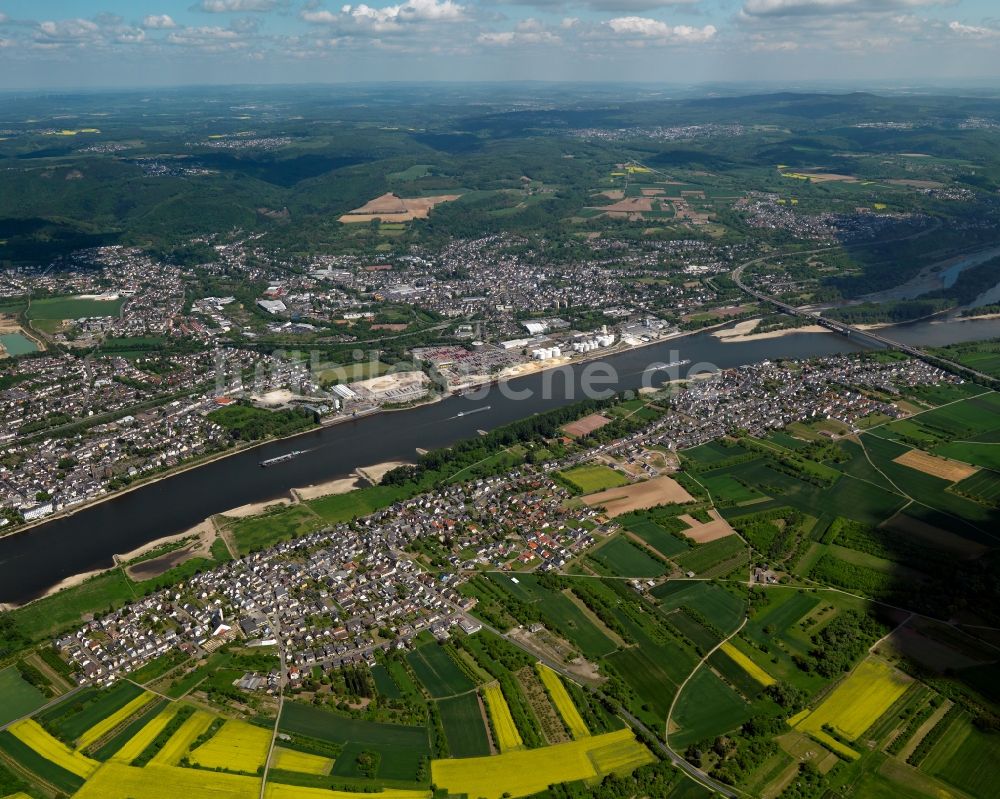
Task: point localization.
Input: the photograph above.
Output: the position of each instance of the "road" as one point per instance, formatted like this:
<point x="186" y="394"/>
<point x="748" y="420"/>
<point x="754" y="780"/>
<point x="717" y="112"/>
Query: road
<point x="841" y="327"/>
<point x="281" y="705"/>
<point x="694" y="773"/>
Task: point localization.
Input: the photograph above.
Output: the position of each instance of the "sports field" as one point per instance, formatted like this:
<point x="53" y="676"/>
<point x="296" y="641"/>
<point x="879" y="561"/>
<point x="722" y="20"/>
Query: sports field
<point x="237" y="746"/>
<point x="463" y="726"/>
<point x="72" y="308"/>
<point x="854" y="705"/>
<point x="591" y="477"/>
<point x="563" y="703"/>
<point x="504" y="729"/>
<point x="17" y="697"/>
<point x="529" y="771"/>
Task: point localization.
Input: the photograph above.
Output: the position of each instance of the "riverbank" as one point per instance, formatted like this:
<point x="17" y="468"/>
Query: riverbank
<point x="743" y="332"/>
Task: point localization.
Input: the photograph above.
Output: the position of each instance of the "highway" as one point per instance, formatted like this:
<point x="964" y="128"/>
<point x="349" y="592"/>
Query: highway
<point x="866" y="336"/>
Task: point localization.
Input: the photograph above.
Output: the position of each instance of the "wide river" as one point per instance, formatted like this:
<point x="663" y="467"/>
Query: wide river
<point x="38" y="559"/>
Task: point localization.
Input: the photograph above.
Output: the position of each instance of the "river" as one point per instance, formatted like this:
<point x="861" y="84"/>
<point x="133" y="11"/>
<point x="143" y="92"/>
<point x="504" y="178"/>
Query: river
<point x="34" y="561"/>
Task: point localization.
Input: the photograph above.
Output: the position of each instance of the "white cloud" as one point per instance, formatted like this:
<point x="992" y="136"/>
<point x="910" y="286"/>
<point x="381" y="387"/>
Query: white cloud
<point x="6" y="43"/>
<point x="526" y="35"/>
<point x="646" y="28"/>
<point x="389" y="18"/>
<point x="798" y="8"/>
<point x="208" y="39"/>
<point x="69" y="30"/>
<point x="973" y="31"/>
<point x="223" y="6"/>
<point x="3" y="18"/>
<point x="159" y="22"/>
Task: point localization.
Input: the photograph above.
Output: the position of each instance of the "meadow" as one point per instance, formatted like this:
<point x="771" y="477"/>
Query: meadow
<point x="592" y="477"/>
<point x="17" y="697"/>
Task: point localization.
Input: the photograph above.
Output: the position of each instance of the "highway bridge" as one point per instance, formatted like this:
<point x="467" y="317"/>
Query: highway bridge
<point x="867" y="337"/>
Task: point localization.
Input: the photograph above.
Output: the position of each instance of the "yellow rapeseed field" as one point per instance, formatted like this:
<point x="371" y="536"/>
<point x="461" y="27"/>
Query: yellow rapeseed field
<point x="175" y="748"/>
<point x="237" y="746"/>
<point x="30" y="732"/>
<point x="278" y="791"/>
<point x="303" y="762"/>
<point x="105" y="726"/>
<point x="118" y="781"/>
<point x="564" y="704"/>
<point x="756" y="672"/>
<point x="834" y="745"/>
<point x="503" y="723"/>
<point x="528" y="771"/>
<point x="137" y="744"/>
<point x="854" y="705"/>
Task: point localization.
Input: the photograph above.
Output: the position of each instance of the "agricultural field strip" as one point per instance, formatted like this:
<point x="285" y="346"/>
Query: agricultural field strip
<point x="680" y="688"/>
<point x="33" y="735"/>
<point x="562" y="701"/>
<point x="106" y="725"/>
<point x="507" y="735"/>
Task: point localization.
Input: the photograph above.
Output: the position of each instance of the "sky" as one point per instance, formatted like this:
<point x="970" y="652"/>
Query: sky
<point x="127" y="43"/>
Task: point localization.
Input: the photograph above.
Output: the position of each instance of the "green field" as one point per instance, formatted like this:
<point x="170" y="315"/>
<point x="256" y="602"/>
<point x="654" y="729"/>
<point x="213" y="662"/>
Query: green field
<point x="966" y="758"/>
<point x="592" y="477"/>
<point x="659" y="538"/>
<point x="439" y="674"/>
<point x="72" y="308"/>
<point x="71" y="718"/>
<point x="983" y="486"/>
<point x="559" y="612"/>
<point x="361" y="502"/>
<point x="400" y="747"/>
<point x="17" y="697"/>
<point x="706" y="559"/>
<point x="624" y="559"/>
<point x="283" y="524"/>
<point x="384" y="683"/>
<point x="706" y="708"/>
<point x="463" y="726"/>
<point x="720" y="607"/>
<point x="713" y="452"/>
<point x="727" y="490"/>
<point x="978" y="454"/>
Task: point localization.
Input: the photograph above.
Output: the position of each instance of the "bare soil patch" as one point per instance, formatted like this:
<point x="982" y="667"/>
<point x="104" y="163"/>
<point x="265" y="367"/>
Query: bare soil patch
<point x="703" y="532"/>
<point x="658" y="491"/>
<point x="586" y="425"/>
<point x="390" y="208"/>
<point x="935" y="465"/>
